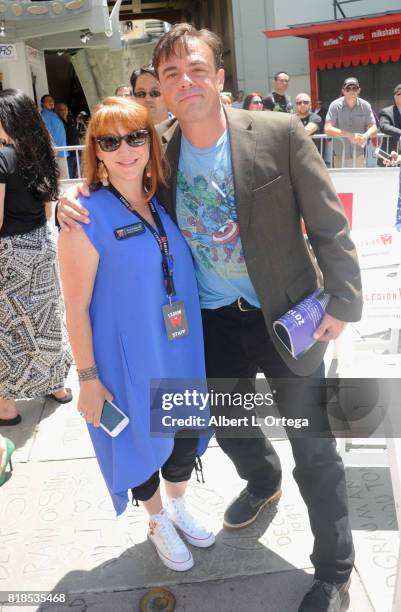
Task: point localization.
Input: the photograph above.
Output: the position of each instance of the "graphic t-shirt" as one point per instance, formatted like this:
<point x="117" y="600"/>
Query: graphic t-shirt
<point x="207" y="216"/>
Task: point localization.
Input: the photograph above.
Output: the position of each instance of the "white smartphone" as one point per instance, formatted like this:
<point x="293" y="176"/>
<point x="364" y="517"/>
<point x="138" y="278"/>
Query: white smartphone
<point x="382" y="154"/>
<point x="113" y="420"/>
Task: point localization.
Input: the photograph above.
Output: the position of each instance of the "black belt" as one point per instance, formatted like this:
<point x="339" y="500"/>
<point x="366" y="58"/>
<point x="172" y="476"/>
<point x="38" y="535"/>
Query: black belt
<point x="242" y="305"/>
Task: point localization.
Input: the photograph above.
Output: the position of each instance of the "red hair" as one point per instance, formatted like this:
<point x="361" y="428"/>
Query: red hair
<point x="249" y="99"/>
<point x="110" y="115"/>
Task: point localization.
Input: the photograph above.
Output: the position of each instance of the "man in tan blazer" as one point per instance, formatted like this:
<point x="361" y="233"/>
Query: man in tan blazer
<point x="240" y="183"/>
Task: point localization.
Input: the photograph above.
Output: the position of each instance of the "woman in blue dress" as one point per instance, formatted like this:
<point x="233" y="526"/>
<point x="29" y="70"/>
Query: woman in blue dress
<point x="117" y="276"/>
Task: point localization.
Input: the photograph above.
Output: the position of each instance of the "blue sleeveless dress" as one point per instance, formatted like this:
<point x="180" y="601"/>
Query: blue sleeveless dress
<point x="129" y="337"/>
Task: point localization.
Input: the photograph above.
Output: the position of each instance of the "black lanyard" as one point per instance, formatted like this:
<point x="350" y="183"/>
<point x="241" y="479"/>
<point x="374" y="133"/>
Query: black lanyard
<point x="160" y="236"/>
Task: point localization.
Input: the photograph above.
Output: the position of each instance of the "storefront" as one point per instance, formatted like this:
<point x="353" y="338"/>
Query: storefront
<point x="368" y="48"/>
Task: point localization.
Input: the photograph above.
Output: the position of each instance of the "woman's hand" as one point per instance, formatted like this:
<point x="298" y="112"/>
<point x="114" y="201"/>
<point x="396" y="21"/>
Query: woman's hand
<point x="92" y="395"/>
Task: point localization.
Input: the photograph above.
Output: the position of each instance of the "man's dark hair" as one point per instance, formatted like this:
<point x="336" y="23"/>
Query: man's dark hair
<point x="268" y="103"/>
<point x="179" y="35"/>
<point x="148" y="69"/>
<point x="42" y="99"/>
<point x="280" y="72"/>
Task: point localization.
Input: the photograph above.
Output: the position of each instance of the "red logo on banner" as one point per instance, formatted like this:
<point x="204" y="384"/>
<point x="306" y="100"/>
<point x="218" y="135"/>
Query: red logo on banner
<point x="386" y="238"/>
<point x="347" y="202"/>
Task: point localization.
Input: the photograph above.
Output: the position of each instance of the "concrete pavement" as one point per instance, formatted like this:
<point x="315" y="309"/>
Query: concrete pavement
<point x="58" y="531"/>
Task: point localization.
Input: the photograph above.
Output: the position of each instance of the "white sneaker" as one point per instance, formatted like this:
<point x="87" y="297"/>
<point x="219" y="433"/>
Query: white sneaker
<point x="169" y="546"/>
<point x="193" y="531"/>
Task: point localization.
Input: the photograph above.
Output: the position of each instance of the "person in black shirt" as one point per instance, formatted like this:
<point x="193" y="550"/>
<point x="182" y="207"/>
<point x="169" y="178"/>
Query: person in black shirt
<point x="311" y="121"/>
<point x="34" y="354"/>
<point x="390" y="122"/>
<point x="278" y="97"/>
<point x="321" y="110"/>
<point x="72" y="136"/>
<point x="82" y="123"/>
<point x="268" y="104"/>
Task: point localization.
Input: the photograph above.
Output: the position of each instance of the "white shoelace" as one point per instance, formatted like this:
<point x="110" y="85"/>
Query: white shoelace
<point x="168" y="532"/>
<point x="188" y="520"/>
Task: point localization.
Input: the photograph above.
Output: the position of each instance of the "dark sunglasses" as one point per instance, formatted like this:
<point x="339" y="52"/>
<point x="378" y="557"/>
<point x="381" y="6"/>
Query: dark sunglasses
<point x="112" y="143"/>
<point x="155" y="93"/>
<point x="351" y="88"/>
<point x="302" y="102"/>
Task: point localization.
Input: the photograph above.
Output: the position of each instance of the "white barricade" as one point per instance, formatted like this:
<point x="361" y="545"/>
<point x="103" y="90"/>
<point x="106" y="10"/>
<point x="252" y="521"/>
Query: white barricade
<point x="370" y="198"/>
<point x="371" y="193"/>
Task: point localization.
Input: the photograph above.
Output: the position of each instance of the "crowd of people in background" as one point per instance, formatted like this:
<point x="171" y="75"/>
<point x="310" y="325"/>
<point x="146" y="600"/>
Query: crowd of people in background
<point x="349" y="120"/>
<point x="65" y="131"/>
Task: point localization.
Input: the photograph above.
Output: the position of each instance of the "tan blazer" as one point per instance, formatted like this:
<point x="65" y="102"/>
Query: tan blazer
<point x="280" y="177"/>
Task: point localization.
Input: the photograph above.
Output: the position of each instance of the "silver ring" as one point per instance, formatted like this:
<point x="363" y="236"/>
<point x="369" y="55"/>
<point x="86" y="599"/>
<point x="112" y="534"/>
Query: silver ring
<point x="82" y="413"/>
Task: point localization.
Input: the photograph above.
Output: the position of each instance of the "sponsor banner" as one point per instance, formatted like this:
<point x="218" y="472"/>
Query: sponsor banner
<point x="346" y="38"/>
<point x="372" y="194"/>
<point x="377" y="247"/>
<point x="382" y="297"/>
<point x="331" y="41"/>
<point x="386" y="32"/>
<point x="355" y="37"/>
<point x="345" y="48"/>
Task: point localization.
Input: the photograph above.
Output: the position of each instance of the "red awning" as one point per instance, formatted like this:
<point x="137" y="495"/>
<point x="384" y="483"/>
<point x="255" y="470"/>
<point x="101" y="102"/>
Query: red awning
<point x="350" y="41"/>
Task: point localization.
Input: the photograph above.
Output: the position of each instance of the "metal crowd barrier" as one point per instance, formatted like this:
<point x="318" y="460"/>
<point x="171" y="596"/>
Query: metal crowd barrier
<point x="74" y="150"/>
<point x="323" y="142"/>
<point x="325" y="146"/>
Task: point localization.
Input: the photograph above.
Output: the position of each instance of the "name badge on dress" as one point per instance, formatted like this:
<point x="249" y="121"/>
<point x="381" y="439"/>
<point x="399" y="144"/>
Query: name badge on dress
<point x="175" y="320"/>
<point x="129" y="230"/>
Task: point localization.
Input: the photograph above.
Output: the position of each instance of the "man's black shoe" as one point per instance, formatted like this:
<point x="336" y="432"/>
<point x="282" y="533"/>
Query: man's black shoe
<point x="325" y="596"/>
<point x="246" y="507"/>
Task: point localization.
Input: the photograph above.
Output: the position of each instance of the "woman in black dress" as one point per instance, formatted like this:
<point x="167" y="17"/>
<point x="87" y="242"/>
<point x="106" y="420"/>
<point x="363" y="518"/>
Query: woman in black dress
<point x="34" y="353"/>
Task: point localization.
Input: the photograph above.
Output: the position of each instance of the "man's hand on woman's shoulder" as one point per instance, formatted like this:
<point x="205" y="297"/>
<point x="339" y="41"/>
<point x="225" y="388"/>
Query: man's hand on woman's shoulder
<point x="70" y="213"/>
